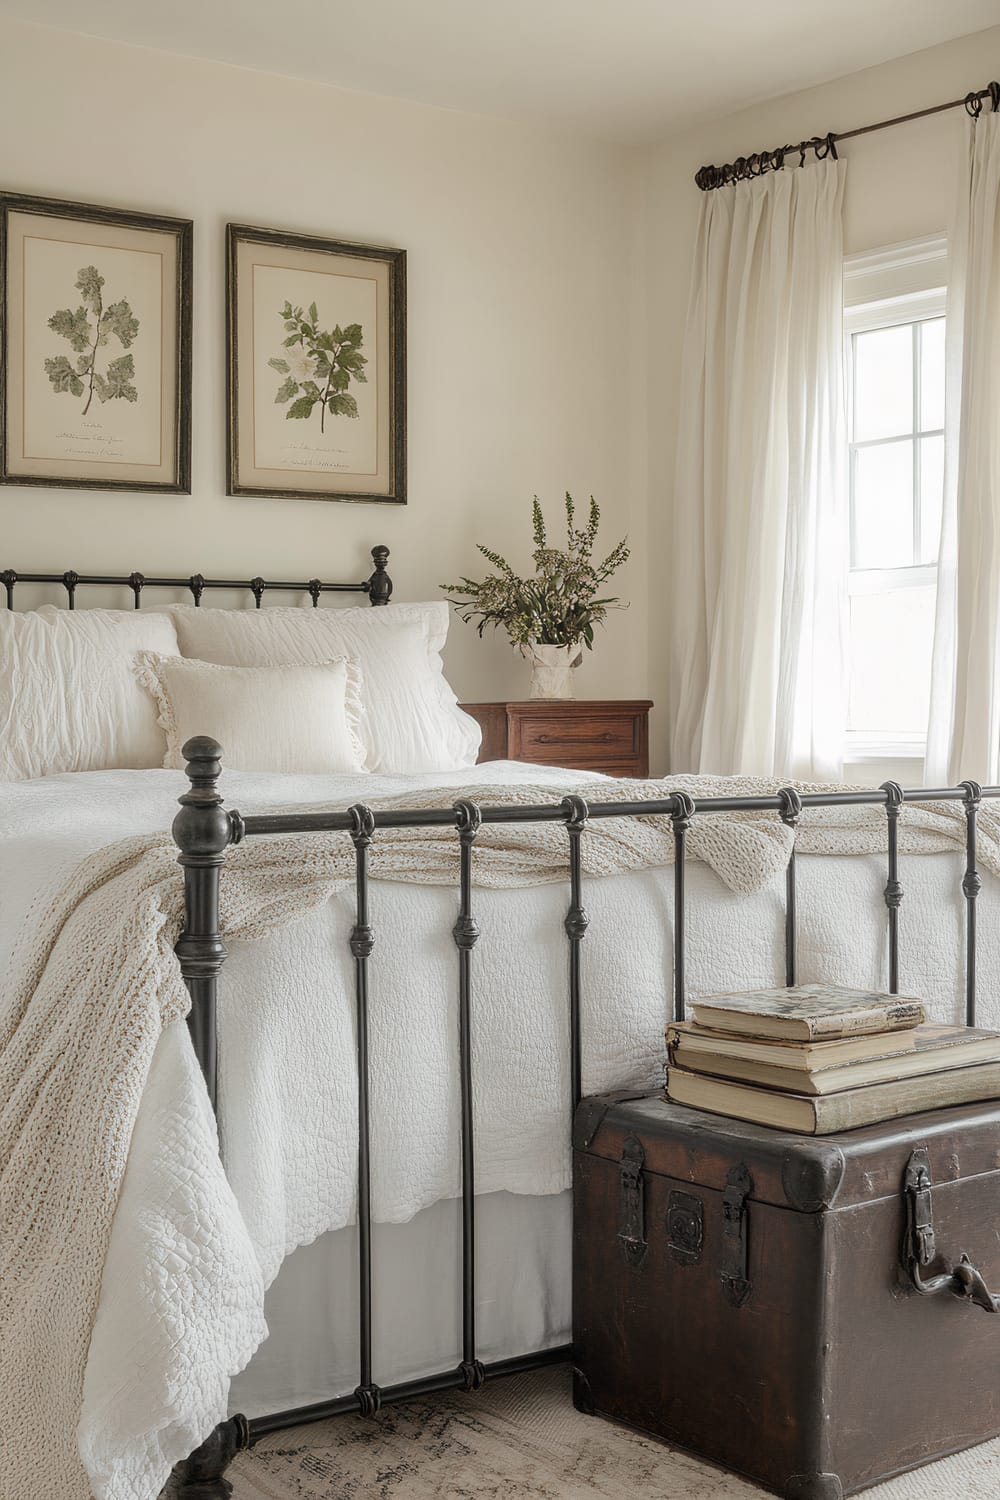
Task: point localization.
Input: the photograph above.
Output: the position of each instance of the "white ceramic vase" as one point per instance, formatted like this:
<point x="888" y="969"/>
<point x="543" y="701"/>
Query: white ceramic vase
<point x="552" y="669"/>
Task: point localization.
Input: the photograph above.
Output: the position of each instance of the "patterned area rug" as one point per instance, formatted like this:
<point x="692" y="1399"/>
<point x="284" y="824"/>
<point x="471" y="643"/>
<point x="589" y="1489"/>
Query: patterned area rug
<point x="521" y="1437"/>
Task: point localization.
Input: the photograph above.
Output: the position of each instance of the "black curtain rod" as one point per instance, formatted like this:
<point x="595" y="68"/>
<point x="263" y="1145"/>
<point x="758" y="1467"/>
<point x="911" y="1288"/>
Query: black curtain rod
<point x="761" y="162"/>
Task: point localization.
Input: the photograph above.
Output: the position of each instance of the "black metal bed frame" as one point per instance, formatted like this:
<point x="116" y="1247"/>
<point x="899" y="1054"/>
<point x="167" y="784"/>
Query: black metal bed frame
<point x="204" y="829"/>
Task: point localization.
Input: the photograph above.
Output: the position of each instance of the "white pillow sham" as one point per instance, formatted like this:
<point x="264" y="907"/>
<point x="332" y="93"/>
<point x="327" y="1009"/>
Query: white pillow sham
<point x="411" y="722"/>
<point x="69" y="700"/>
<point x="288" y="719"/>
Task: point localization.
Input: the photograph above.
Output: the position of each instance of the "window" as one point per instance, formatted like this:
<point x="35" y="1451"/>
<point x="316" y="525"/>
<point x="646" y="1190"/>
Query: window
<point x="896" y="376"/>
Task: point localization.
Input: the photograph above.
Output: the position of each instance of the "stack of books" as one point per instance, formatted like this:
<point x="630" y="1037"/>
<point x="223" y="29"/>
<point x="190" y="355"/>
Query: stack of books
<point x="816" y="1058"/>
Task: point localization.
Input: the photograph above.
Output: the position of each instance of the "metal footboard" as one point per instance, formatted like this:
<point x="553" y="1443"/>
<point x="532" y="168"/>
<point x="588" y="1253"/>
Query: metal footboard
<point x="203" y="831"/>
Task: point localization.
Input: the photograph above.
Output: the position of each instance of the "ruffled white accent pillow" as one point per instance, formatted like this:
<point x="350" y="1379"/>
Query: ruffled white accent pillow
<point x="412" y="721"/>
<point x="288" y="719"/>
<point x="69" y="700"/>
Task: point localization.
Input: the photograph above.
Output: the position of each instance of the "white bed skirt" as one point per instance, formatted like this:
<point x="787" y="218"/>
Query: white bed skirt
<point x="522" y="1301"/>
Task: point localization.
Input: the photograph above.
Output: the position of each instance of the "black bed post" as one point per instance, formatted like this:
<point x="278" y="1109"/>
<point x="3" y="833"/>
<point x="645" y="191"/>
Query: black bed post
<point x="202" y="832"/>
<point x="380" y="584"/>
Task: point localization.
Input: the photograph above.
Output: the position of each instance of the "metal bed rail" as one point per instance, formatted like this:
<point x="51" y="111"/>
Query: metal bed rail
<point x="204" y="829"/>
<point x="378" y="586"/>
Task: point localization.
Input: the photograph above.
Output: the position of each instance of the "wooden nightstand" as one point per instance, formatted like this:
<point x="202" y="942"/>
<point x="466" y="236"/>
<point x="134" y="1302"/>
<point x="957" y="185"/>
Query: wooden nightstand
<point x="610" y="736"/>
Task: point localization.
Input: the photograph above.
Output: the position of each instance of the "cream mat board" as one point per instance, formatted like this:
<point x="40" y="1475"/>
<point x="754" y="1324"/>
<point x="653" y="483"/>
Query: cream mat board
<point x="521" y="1437"/>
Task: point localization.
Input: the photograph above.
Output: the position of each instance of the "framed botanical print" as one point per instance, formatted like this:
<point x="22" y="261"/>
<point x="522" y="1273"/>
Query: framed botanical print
<point x="317" y="367"/>
<point x="95" y="347"/>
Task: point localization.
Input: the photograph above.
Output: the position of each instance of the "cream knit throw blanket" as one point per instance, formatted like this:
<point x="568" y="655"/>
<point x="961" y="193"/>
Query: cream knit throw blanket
<point x="96" y="980"/>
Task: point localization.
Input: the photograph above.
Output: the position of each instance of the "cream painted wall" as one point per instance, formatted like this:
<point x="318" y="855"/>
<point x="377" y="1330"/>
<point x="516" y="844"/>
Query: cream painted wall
<point x="523" y="320"/>
<point x="899" y="186"/>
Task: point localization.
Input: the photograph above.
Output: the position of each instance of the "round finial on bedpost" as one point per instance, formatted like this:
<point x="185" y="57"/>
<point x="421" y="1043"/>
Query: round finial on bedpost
<point x="380" y="584"/>
<point x="201" y="829"/>
<point x="202" y="832"/>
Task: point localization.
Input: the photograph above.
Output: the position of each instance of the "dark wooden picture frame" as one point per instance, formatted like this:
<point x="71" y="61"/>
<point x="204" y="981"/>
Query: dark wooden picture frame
<point x="358" y="377"/>
<point x="67" y="338"/>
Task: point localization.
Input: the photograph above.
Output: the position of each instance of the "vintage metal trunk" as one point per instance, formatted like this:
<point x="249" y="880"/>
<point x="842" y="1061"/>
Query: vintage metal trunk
<point x="796" y="1309"/>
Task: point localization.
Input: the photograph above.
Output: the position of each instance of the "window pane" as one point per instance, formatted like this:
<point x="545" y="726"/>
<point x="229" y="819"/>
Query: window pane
<point x="891" y="637"/>
<point x="931" y="497"/>
<point x="883" y="506"/>
<point x="883" y="383"/>
<point x="932" y="373"/>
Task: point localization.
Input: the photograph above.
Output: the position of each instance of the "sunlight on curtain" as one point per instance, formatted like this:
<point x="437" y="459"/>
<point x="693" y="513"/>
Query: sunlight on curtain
<point x="759" y="544"/>
<point x="964" y="729"/>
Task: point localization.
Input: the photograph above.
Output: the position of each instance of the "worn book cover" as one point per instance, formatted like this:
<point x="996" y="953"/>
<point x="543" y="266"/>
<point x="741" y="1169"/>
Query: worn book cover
<point x="934" y="1049"/>
<point x="829" y="1113"/>
<point x="808" y="1012"/>
<point x="784" y="1052"/>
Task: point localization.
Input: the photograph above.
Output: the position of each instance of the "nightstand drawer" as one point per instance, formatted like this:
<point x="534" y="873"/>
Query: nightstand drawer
<point x="579" y="739"/>
<point x="607" y="735"/>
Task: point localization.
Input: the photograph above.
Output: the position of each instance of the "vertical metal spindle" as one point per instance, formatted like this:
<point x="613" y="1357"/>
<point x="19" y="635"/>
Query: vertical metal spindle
<point x="362" y="943"/>
<point x="971" y="886"/>
<point x="576" y="925"/>
<point x="894" y="797"/>
<point x="8" y="578"/>
<point x="196" y="584"/>
<point x="681" y="819"/>
<point x="70" y="581"/>
<point x="466" y="935"/>
<point x="135" y="583"/>
<point x="791" y="811"/>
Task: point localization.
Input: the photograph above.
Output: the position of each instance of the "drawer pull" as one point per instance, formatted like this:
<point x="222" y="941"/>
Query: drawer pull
<point x="569" y="739"/>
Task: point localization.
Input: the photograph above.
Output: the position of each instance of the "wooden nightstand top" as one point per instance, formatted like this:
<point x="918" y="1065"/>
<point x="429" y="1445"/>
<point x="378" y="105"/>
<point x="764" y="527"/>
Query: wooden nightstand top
<point x="567" y="705"/>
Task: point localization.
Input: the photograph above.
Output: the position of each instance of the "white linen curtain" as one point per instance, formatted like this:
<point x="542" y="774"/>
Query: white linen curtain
<point x="758" y="547"/>
<point x="964" y="728"/>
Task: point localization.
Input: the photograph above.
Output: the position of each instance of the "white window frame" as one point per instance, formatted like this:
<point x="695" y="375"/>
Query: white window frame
<point x="905" y="283"/>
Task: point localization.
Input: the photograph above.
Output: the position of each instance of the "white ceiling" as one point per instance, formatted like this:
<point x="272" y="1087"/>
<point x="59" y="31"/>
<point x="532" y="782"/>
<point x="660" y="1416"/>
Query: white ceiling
<point x="620" y="70"/>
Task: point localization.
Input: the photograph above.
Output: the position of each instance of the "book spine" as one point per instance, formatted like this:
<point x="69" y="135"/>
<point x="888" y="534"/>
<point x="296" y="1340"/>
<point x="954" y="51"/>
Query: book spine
<point x="862" y="1022"/>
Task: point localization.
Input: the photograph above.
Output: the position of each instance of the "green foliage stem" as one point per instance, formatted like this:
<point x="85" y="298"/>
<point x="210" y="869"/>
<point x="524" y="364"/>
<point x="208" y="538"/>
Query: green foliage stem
<point x="86" y="338"/>
<point x="336" y="360"/>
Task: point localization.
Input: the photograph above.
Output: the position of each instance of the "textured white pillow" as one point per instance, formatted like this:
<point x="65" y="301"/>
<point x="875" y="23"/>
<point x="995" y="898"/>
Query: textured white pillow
<point x="411" y="722"/>
<point x="289" y="719"/>
<point x="69" y="700"/>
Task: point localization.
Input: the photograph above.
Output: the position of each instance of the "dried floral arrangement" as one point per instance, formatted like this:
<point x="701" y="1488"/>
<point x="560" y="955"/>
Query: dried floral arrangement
<point x="560" y="604"/>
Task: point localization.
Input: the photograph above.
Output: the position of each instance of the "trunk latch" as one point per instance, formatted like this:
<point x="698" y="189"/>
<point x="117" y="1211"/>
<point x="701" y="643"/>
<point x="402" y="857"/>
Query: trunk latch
<point x="739" y="1185"/>
<point x="631" y="1202"/>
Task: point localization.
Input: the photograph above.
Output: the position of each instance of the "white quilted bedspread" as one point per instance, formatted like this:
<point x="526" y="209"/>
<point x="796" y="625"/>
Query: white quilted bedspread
<point x="191" y="1248"/>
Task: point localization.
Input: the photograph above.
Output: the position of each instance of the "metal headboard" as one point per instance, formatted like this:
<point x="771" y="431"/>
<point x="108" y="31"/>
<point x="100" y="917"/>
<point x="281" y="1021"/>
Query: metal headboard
<point x="378" y="586"/>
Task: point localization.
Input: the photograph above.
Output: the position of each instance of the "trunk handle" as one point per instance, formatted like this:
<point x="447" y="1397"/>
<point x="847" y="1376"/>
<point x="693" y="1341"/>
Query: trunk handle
<point x="919" y="1245"/>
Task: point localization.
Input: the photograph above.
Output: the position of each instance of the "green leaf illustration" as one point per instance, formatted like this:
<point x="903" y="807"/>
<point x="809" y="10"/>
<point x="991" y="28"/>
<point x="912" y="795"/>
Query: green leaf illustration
<point x="117" y="384"/>
<point x="63" y="376"/>
<point x="334" y="359"/>
<point x="74" y="326"/>
<point x="343" y="406"/>
<point x="88" y="330"/>
<point x="118" y="319"/>
<point x="301" y="408"/>
<point x="88" y="283"/>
